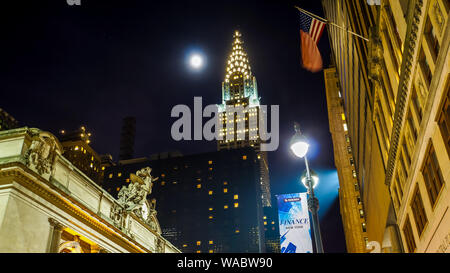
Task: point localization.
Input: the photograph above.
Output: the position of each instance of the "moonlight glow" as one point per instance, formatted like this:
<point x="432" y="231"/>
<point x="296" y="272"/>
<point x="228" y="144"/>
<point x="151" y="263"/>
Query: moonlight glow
<point x="196" y="61"/>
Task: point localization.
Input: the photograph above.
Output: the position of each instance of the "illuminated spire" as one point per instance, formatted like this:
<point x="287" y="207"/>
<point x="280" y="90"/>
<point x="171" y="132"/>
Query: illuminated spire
<point x="237" y="63"/>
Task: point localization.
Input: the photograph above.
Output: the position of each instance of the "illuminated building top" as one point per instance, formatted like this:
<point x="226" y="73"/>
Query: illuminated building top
<point x="239" y="83"/>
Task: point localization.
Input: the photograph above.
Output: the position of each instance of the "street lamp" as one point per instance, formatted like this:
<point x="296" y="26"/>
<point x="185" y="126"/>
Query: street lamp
<point x="299" y="147"/>
<point x="314" y="176"/>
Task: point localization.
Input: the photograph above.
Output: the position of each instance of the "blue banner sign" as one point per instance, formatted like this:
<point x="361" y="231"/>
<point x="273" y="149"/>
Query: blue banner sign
<point x="295" y="230"/>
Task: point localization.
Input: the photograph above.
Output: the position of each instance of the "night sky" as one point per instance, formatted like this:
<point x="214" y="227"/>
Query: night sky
<point x="66" y="66"/>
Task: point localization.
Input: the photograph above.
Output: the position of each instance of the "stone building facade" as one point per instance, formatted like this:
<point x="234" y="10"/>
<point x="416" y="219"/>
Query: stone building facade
<point x="395" y="96"/>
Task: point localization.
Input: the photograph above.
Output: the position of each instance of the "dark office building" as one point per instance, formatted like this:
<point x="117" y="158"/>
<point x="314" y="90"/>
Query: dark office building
<point x="127" y="137"/>
<point x="208" y="202"/>
<point x="78" y="151"/>
<point x="271" y="229"/>
<point x="7" y="122"/>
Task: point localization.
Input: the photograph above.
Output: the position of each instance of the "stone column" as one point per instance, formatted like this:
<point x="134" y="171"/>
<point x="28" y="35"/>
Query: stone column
<point x="55" y="235"/>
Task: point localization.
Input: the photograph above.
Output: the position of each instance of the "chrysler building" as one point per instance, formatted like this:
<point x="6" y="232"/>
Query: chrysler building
<point x="241" y="129"/>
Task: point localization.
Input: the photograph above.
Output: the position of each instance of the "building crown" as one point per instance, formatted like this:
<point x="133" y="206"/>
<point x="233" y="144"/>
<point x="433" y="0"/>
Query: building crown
<point x="237" y="63"/>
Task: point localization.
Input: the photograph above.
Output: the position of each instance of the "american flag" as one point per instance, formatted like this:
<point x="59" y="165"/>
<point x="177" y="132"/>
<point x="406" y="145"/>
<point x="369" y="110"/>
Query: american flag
<point x="311" y="26"/>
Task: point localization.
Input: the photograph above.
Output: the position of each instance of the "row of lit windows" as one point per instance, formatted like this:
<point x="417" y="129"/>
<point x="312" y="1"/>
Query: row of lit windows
<point x="354" y="174"/>
<point x="434" y="182"/>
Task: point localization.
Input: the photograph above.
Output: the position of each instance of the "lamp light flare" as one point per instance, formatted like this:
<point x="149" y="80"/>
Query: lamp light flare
<point x="314" y="177"/>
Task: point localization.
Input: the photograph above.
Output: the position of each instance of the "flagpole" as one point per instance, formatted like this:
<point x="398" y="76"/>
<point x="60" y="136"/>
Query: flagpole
<point x="330" y="23"/>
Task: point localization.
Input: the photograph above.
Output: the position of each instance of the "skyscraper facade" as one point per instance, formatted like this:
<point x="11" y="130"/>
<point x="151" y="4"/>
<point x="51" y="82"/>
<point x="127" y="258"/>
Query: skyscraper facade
<point x="394" y="93"/>
<point x="352" y="212"/>
<point x="127" y="138"/>
<point x="241" y="128"/>
<point x="78" y="151"/>
<point x="203" y="204"/>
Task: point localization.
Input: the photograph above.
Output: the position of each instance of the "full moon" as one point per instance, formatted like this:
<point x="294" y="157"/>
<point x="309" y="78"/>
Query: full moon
<point x="196" y="61"/>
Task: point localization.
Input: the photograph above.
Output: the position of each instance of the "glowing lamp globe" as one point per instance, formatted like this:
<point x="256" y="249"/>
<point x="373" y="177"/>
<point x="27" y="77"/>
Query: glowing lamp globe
<point x="299" y="146"/>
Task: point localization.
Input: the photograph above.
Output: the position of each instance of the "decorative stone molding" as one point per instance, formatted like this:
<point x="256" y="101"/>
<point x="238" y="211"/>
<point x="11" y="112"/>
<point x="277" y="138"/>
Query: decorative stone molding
<point x="410" y="49"/>
<point x="55" y="235"/>
<point x="375" y="57"/>
<point x="437" y="12"/>
<point x="55" y="224"/>
<point x="160" y="245"/>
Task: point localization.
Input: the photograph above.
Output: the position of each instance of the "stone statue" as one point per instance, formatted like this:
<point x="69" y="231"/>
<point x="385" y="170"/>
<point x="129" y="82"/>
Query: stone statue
<point x="133" y="199"/>
<point x="42" y="152"/>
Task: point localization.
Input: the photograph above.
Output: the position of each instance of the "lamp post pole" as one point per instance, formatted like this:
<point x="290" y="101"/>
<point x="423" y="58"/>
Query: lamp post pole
<point x="299" y="147"/>
<point x="313" y="206"/>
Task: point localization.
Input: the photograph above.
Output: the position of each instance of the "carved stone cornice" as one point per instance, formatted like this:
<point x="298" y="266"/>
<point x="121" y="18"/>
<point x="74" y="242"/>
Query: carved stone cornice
<point x="375" y="56"/>
<point x="410" y="50"/>
<point x="55" y="224"/>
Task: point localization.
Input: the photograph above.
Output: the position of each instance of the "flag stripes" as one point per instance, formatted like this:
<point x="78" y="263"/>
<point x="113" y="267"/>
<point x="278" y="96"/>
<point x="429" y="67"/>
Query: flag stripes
<point x="312" y="26"/>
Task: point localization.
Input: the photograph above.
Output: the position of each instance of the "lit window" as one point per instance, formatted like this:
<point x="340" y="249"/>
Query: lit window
<point x="265" y="217"/>
<point x="184" y="245"/>
<point x="343" y="116"/>
<point x="199" y="186"/>
<point x="110" y="175"/>
<point x="225" y="190"/>
<point x="210" y="217"/>
<point x="117" y="189"/>
<point x="119" y="174"/>
<point x="199" y="243"/>
<point x="211" y="251"/>
<point x="225" y="183"/>
<point x="163" y="175"/>
<point x="265" y="222"/>
<point x="103" y="168"/>
<point x="225" y="207"/>
<point x="76" y="148"/>
<point x="236" y="205"/>
<point x="210" y="162"/>
<point x="345" y="127"/>
<point x="128" y="180"/>
<point x="210" y="192"/>
<point x="237" y="231"/>
<point x="163" y="183"/>
<point x="198" y="251"/>
<point x="236" y="196"/>
<point x="244" y="157"/>
<point x="211" y="242"/>
<point x="210" y="209"/>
